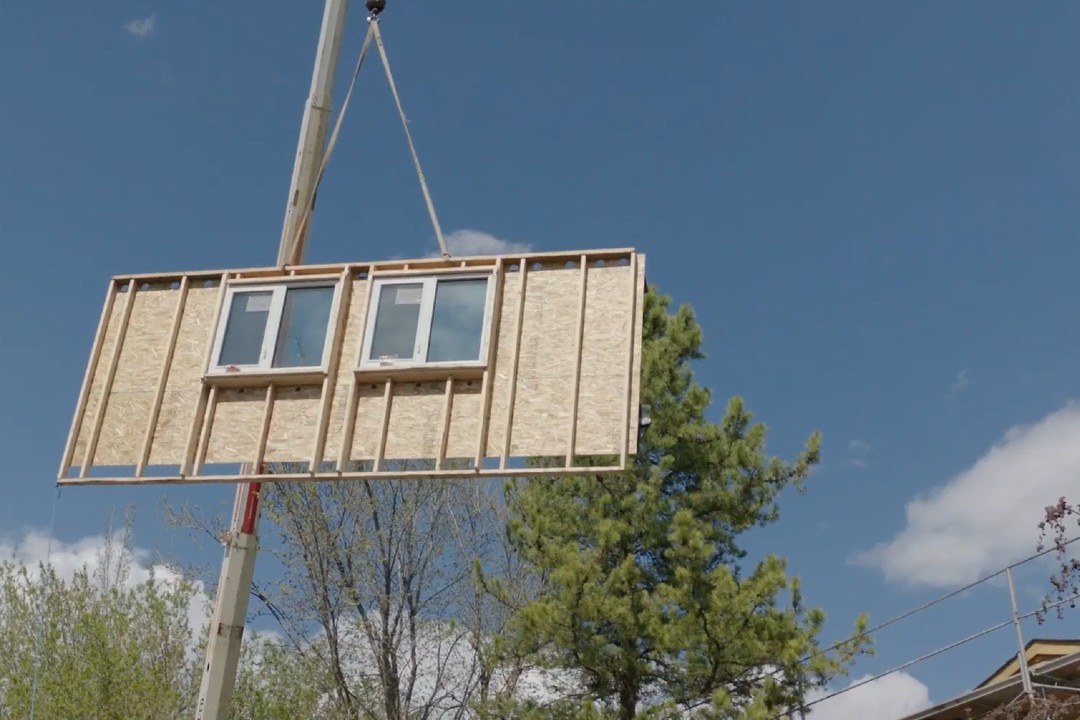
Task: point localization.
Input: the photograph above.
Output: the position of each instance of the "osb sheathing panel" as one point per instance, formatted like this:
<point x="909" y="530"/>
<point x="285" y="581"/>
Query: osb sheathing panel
<point x="415" y="419"/>
<point x="184" y="381"/>
<point x="234" y="436"/>
<point x="540" y="381"/>
<point x="504" y="362"/>
<point x="108" y="345"/>
<point x="608" y="323"/>
<point x="546" y="365"/>
<point x="369" y="413"/>
<point x="465" y="414"/>
<point x="350" y="348"/>
<point x="140" y="367"/>
<point x="293" y="424"/>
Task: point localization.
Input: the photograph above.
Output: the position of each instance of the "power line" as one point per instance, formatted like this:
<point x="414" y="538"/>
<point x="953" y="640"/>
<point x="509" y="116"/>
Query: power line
<point x="939" y="651"/>
<point x="936" y="601"/>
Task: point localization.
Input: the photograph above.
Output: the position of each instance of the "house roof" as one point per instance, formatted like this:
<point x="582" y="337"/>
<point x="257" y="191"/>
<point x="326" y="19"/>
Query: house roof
<point x="1037" y="652"/>
<point x="1053" y="662"/>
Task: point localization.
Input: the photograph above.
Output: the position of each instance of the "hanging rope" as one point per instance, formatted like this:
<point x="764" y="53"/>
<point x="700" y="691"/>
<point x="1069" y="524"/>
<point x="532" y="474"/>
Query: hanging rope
<point x="408" y="136"/>
<point x="292" y="258"/>
<point x="309" y="206"/>
<point x="39" y="641"/>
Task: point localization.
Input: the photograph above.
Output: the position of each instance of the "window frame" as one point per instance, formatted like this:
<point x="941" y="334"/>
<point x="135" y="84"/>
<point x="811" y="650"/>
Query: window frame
<point x="429" y="282"/>
<point x="278" y="287"/>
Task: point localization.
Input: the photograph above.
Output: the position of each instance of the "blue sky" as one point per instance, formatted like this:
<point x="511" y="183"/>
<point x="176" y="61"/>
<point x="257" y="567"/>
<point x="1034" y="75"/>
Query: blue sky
<point x="871" y="208"/>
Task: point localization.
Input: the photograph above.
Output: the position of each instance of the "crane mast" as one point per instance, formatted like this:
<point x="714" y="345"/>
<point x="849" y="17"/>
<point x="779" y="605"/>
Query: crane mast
<point x="241" y="542"/>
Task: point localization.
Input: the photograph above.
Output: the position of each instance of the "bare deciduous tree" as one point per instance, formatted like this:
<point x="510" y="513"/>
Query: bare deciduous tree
<point x="379" y="597"/>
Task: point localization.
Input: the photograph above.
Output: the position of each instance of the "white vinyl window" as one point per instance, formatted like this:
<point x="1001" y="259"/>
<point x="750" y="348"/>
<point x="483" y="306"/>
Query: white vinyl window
<point x="284" y="326"/>
<point x="429" y="321"/>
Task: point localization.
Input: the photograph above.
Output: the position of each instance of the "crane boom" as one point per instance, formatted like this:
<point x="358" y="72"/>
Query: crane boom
<point x="241" y="544"/>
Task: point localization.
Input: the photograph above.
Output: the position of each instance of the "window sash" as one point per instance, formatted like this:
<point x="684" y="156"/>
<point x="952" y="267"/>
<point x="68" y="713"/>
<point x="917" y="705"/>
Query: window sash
<point x="273" y="326"/>
<point x="423" y="330"/>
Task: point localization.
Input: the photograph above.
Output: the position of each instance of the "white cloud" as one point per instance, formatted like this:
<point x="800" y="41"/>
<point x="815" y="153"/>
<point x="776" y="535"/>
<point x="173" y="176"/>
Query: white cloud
<point x="89" y="553"/>
<point x="889" y="698"/>
<point x="477" y="242"/>
<point x="859" y="450"/>
<point x="986" y="516"/>
<point x="141" y="27"/>
<point x="963" y="379"/>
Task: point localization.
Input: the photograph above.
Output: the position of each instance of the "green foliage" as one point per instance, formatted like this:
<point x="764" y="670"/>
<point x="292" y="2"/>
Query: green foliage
<point x="109" y="649"/>
<point x="277" y="682"/>
<point x="648" y="608"/>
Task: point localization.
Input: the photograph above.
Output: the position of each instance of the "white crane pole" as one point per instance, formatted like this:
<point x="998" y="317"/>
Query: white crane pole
<point x="241" y="544"/>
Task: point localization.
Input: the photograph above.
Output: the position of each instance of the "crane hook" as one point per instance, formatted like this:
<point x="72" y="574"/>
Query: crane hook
<point x="374" y="7"/>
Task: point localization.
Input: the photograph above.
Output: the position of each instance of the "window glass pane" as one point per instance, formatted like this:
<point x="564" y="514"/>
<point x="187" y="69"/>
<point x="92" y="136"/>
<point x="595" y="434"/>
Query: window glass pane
<point x="246" y="328"/>
<point x="396" y="321"/>
<point x="305" y="320"/>
<point x="457" y="322"/>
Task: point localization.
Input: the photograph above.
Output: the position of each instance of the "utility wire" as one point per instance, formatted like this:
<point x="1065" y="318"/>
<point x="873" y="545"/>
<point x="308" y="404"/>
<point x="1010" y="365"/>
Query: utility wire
<point x="931" y="654"/>
<point x="932" y="603"/>
<point x="925" y="606"/>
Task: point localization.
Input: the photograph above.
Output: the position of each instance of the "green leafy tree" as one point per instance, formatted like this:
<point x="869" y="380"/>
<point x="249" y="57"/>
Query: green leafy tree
<point x="276" y="681"/>
<point x="648" y="609"/>
<point x="99" y="646"/>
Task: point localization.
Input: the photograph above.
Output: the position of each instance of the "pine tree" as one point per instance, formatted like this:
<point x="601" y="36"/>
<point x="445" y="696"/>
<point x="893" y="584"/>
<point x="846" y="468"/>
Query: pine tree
<point x="649" y="610"/>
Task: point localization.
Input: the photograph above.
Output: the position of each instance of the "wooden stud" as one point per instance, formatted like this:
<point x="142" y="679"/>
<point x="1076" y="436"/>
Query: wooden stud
<point x="351" y="407"/>
<point x="579" y="340"/>
<point x="523" y="270"/>
<point x="444" y="425"/>
<point x="489" y="366"/>
<point x="330" y="382"/>
<point x="207" y="430"/>
<point x="194" y="433"/>
<point x="384" y="427"/>
<point x="264" y="431"/>
<point x="106" y="388"/>
<point x="88" y="379"/>
<point x="159" y="394"/>
<point x="624" y="449"/>
<point x="199" y="419"/>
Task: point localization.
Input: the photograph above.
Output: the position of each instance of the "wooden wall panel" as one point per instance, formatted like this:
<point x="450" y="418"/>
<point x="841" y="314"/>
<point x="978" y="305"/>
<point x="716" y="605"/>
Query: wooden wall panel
<point x="465" y="414"/>
<point x="336" y="426"/>
<point x="504" y="366"/>
<point x="125" y="414"/>
<point x="350" y="348"/>
<point x="608" y="322"/>
<point x="237" y="420"/>
<point x="112" y="333"/>
<point x="184" y="382"/>
<point x="538" y="375"/>
<point x="415" y="415"/>
<point x="369" y="412"/>
<point x="546" y="364"/>
<point x="293" y="424"/>
<point x="138" y="370"/>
